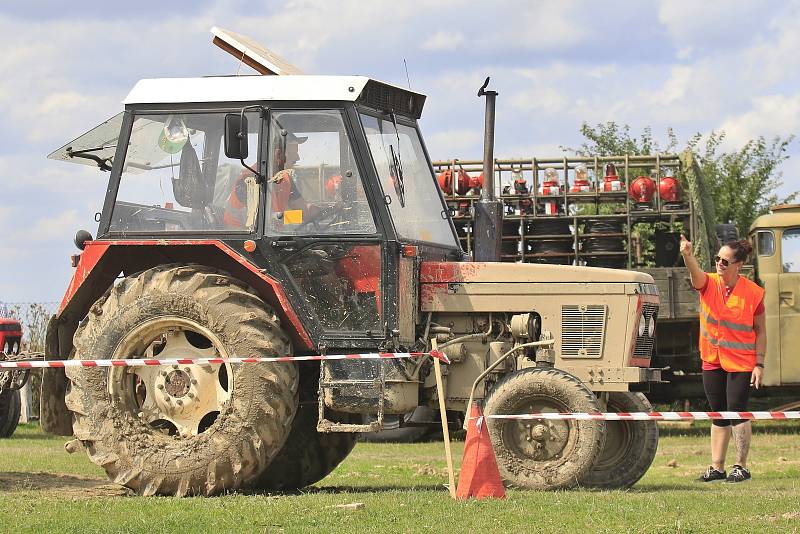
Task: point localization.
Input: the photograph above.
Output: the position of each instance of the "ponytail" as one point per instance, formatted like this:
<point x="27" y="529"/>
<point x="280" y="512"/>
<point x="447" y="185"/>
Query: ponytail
<point x="741" y="249"/>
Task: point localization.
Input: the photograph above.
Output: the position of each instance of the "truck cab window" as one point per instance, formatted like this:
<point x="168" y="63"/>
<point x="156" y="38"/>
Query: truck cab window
<point x="765" y="243"/>
<point x="790" y="250"/>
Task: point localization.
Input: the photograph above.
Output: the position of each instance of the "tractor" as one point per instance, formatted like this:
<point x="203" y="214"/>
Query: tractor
<point x="261" y="216"/>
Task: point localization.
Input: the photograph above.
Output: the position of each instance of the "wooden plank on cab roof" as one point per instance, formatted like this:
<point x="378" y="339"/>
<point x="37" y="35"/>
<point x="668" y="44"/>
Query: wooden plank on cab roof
<point x="251" y="53"/>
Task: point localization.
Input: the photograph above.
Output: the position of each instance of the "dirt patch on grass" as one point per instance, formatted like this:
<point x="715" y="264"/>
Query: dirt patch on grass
<point x="63" y="485"/>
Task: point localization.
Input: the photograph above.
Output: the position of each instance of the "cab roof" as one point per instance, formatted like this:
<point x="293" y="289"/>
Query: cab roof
<point x="778" y="217"/>
<point x="277" y="88"/>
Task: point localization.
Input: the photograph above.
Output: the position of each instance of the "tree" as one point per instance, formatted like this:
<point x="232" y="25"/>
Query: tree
<point x="742" y="183"/>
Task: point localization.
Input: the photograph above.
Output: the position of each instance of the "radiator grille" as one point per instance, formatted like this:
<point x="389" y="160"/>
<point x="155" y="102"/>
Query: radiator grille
<point x="644" y="343"/>
<point x="582" y="330"/>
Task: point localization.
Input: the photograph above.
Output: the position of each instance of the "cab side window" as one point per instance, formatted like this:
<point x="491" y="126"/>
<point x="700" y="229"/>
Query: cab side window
<point x="313" y="183"/>
<point x="790" y="250"/>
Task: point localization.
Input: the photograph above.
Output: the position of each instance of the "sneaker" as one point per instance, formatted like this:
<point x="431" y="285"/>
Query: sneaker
<point x="738" y="474"/>
<point x="713" y="475"/>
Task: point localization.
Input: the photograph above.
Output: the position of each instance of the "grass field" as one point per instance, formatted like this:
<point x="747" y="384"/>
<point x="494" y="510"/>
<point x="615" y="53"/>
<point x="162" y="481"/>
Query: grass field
<point x="44" y="489"/>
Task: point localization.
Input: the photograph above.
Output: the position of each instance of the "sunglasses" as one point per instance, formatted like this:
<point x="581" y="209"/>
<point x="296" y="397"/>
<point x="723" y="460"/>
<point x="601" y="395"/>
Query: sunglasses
<point x="723" y="261"/>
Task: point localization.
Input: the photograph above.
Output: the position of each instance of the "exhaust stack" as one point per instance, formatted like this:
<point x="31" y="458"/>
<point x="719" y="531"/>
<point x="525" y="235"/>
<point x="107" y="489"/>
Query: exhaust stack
<point x="488" y="210"/>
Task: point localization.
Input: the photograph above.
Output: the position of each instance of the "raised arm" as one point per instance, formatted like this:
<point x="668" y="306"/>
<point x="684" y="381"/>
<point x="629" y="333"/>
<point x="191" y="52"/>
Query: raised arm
<point x="695" y="272"/>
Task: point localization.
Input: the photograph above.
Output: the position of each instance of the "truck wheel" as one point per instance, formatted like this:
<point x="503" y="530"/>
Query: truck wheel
<point x="630" y="445"/>
<point x="308" y="456"/>
<point x="188" y="429"/>
<point x="543" y="454"/>
<point x="392" y="431"/>
<point x="10" y="407"/>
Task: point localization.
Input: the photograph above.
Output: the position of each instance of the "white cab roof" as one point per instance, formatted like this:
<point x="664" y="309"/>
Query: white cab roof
<point x="249" y="88"/>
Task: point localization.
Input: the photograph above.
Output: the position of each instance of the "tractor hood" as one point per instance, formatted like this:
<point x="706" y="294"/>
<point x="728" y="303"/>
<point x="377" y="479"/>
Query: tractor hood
<point x="490" y="272"/>
<point x="519" y="287"/>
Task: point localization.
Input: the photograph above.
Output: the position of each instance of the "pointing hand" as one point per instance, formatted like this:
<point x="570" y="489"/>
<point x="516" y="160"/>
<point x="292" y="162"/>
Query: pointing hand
<point x="686" y="246"/>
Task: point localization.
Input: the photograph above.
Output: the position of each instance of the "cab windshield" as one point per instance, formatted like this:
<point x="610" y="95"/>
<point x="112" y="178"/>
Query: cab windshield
<point x="407" y="181"/>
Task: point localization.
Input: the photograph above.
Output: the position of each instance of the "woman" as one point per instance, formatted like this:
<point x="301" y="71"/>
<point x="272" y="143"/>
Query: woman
<point x="732" y="346"/>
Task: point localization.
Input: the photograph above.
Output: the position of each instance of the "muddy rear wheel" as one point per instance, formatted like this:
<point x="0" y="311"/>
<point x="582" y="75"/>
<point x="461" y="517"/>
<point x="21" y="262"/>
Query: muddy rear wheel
<point x="188" y="429"/>
<point x="541" y="453"/>
<point x="630" y="445"/>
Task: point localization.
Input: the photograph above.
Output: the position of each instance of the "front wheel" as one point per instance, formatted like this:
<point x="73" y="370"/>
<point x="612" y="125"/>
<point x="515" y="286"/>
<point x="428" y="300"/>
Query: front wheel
<point x="630" y="445"/>
<point x="543" y="454"/>
<point x="187" y="429"/>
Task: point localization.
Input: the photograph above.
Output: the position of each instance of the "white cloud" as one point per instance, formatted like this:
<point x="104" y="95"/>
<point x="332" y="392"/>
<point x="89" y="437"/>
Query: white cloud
<point x="675" y="88"/>
<point x="769" y="116"/>
<point x="443" y="40"/>
<point x="710" y="22"/>
<point x="454" y="143"/>
<point x="54" y="227"/>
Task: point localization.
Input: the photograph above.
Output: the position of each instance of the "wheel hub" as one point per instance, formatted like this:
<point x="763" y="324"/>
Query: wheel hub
<point x="539" y="439"/>
<point x="177" y="383"/>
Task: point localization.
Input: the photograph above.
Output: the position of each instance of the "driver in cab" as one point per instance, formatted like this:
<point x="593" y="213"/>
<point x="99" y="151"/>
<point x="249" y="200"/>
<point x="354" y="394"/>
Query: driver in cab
<point x="288" y="204"/>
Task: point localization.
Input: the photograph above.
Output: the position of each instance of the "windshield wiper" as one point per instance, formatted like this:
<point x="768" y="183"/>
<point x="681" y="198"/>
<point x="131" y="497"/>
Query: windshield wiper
<point x="103" y="163"/>
<point x="397" y="165"/>
<point x="397" y="177"/>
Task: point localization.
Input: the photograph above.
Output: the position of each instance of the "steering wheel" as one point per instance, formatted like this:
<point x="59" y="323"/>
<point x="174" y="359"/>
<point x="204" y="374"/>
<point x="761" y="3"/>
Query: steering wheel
<point x="319" y="219"/>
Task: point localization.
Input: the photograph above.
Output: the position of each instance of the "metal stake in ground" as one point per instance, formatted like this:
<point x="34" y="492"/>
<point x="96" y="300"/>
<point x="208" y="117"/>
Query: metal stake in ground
<point x="437" y="366"/>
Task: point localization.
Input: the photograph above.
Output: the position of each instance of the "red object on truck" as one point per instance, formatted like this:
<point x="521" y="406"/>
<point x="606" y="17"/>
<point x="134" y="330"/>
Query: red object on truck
<point x="10" y="336"/>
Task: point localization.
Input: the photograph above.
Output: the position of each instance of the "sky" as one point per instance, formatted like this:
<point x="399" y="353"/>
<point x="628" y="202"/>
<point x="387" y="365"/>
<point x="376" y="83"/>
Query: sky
<point x="693" y="66"/>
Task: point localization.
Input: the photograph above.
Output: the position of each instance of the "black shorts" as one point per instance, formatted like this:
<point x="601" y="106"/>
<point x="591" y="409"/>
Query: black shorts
<point x="727" y="392"/>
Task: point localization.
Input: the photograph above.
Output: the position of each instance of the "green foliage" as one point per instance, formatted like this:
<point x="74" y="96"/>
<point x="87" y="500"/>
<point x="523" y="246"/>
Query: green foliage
<point x="611" y="139"/>
<point x="742" y="183"/>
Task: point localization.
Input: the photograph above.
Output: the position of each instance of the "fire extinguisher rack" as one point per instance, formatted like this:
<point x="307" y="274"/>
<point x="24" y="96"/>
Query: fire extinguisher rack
<point x="570" y="227"/>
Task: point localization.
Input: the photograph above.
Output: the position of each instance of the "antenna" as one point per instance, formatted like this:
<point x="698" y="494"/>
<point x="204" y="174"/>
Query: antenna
<point x="407" y="78"/>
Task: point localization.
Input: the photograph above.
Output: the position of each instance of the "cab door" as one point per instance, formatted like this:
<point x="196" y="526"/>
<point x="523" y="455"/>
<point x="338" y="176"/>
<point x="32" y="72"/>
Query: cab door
<point x="789" y="306"/>
<point x="320" y="232"/>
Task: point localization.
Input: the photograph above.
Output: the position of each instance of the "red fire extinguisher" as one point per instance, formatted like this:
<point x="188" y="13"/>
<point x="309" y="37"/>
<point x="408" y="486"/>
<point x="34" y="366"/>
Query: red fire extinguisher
<point x="642" y="190"/>
<point x="669" y="189"/>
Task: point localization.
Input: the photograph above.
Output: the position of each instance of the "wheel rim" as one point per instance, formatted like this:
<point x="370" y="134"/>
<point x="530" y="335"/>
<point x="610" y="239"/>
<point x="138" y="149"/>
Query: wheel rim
<point x="540" y="440"/>
<point x="177" y="400"/>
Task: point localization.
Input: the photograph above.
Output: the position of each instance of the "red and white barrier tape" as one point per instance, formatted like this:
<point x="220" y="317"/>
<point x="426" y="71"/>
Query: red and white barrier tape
<point x="650" y="416"/>
<point x="141" y="362"/>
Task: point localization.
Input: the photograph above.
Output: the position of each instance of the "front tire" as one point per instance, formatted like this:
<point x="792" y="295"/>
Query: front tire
<point x="189" y="429"/>
<point x="543" y="454"/>
<point x="630" y="445"/>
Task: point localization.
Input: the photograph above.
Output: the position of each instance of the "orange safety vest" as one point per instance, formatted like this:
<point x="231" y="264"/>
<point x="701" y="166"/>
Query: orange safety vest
<point x="727" y="337"/>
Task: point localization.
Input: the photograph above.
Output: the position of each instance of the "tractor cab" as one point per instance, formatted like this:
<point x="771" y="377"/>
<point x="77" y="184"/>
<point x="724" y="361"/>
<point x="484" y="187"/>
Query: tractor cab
<point x="325" y="178"/>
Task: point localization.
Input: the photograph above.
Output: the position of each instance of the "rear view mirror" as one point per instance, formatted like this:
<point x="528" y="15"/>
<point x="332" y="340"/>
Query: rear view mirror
<point x="236" y="136"/>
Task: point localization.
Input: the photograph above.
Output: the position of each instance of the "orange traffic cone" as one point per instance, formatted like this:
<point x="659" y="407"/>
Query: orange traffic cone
<point x="479" y="476"/>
